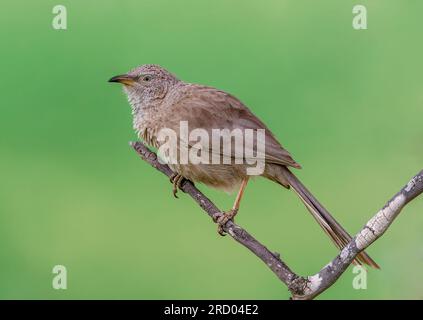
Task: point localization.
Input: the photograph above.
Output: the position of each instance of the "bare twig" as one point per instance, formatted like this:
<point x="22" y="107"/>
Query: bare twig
<point x="303" y="288"/>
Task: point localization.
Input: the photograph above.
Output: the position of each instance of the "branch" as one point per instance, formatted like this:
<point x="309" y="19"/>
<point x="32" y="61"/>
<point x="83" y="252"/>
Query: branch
<point x="301" y="288"/>
<point x="373" y="230"/>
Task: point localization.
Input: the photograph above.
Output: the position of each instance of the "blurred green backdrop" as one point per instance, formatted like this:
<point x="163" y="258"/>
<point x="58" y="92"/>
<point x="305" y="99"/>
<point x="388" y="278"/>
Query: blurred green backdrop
<point x="346" y="103"/>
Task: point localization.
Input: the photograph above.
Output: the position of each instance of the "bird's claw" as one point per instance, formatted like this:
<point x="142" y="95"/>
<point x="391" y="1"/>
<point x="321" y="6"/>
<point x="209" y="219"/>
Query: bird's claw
<point x="176" y="180"/>
<point x="222" y="219"/>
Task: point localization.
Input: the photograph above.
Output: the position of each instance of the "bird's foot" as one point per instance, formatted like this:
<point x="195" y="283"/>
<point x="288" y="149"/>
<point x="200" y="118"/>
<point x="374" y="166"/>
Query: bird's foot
<point x="222" y="219"/>
<point x="176" y="180"/>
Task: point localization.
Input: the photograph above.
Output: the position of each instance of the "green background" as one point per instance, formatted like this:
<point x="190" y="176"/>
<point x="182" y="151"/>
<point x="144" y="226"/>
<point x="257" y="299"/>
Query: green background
<point x="346" y="103"/>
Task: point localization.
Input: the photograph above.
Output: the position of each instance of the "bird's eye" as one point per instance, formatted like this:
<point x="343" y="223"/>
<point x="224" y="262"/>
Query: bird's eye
<point x="147" y="78"/>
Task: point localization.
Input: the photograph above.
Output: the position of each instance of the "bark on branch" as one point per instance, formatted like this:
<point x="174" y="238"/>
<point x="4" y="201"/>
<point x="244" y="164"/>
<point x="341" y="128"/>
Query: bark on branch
<point x="301" y="288"/>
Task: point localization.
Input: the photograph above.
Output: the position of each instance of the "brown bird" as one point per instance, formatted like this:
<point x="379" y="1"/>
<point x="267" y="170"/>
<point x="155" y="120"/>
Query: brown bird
<point x="160" y="100"/>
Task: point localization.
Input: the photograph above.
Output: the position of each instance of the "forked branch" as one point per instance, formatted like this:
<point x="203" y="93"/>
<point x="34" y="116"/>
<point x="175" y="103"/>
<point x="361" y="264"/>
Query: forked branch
<point x="301" y="288"/>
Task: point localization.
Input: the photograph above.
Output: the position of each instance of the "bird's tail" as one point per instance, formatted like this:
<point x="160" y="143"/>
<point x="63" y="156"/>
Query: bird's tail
<point x="332" y="228"/>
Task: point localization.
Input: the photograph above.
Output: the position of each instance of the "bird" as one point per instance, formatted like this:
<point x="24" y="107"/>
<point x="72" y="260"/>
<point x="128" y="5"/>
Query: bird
<point x="159" y="100"/>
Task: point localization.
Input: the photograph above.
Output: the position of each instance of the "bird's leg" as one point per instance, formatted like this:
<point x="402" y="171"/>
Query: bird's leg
<point x="176" y="179"/>
<point x="230" y="215"/>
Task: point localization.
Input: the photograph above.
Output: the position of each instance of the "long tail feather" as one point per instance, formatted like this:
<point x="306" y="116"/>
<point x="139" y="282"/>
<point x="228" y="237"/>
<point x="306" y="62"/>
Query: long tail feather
<point x="328" y="223"/>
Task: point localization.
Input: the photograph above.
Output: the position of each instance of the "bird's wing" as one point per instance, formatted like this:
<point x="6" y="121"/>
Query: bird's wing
<point x="209" y="108"/>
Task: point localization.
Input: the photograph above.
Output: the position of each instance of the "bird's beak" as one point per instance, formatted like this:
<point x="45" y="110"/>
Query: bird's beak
<point x="124" y="79"/>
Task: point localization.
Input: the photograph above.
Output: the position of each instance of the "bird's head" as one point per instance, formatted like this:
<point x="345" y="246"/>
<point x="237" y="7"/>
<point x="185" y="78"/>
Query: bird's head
<point x="146" y="83"/>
